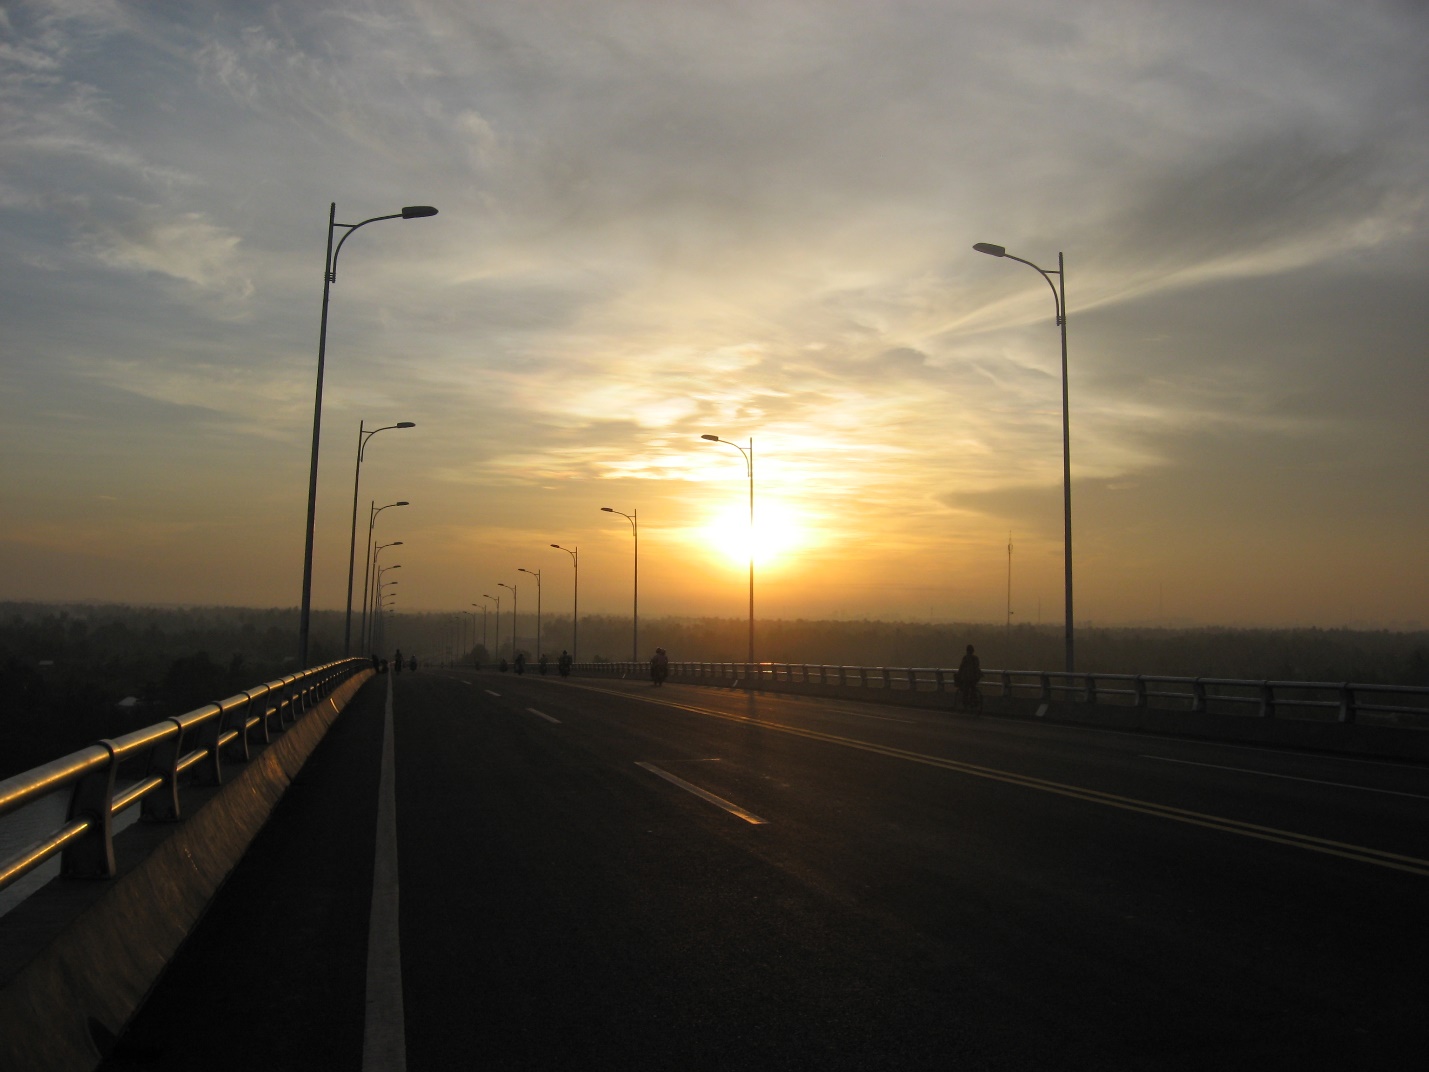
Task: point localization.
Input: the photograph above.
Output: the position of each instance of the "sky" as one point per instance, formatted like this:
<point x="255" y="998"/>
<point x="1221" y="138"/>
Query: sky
<point x="754" y="220"/>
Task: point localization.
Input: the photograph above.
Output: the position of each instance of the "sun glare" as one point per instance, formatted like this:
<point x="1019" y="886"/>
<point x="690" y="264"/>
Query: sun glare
<point x="778" y="532"/>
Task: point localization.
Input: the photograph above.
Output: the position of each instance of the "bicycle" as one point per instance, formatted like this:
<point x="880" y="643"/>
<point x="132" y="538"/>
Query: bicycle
<point x="968" y="697"/>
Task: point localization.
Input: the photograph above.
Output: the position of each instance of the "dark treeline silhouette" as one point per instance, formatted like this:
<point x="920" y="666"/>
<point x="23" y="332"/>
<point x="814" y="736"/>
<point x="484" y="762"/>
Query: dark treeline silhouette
<point x="67" y="669"/>
<point x="77" y="673"/>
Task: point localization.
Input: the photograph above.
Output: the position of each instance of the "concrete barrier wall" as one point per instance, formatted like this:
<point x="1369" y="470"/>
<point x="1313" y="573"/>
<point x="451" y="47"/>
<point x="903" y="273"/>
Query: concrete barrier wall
<point x="88" y="952"/>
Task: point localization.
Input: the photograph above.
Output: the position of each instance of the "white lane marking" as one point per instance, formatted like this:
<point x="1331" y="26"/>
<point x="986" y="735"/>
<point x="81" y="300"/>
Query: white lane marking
<point x="542" y="714"/>
<point x="384" y="1039"/>
<point x="490" y="693"/>
<point x="464" y="681"/>
<point x="1288" y="777"/>
<point x="719" y="802"/>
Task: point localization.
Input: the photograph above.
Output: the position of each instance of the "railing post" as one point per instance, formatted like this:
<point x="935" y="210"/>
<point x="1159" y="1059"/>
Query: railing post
<point x="887" y="677"/>
<point x="162" y="805"/>
<point x="211" y="772"/>
<point x="1347" y="702"/>
<point x="260" y="702"/>
<point x="912" y="679"/>
<point x="1267" y="700"/>
<point x="1007" y="683"/>
<point x="1140" y="686"/>
<point x="1091" y="697"/>
<point x="863" y="676"/>
<point x="1046" y="681"/>
<point x="843" y="675"/>
<point x="92" y="856"/>
<point x="237" y="719"/>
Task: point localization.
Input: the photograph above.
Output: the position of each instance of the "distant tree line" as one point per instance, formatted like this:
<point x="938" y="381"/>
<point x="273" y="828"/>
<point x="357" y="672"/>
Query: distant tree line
<point x="67" y="670"/>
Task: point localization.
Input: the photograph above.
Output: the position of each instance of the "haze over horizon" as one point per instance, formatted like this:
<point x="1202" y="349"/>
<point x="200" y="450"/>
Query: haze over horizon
<point x="748" y="220"/>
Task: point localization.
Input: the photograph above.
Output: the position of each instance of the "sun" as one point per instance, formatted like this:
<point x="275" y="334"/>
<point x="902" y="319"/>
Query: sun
<point x="778" y="531"/>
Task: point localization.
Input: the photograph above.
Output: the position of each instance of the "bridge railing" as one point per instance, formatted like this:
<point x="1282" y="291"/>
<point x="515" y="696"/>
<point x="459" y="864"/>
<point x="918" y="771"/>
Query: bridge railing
<point x="186" y="749"/>
<point x="1325" y="701"/>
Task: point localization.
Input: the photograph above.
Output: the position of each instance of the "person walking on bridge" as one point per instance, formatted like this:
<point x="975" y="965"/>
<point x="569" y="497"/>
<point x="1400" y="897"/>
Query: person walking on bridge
<point x="968" y="675"/>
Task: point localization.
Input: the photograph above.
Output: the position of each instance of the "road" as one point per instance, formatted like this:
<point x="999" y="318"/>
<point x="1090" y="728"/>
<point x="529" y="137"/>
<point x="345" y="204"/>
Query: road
<point x="600" y="874"/>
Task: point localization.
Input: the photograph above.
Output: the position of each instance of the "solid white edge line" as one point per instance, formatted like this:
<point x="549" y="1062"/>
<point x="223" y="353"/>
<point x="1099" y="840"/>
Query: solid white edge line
<point x="719" y="802"/>
<point x="384" y="1040"/>
<point x="1288" y="777"/>
<point x="542" y="714"/>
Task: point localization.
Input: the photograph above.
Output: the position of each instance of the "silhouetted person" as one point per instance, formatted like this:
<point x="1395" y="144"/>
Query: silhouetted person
<point x="968" y="675"/>
<point x="397" y="662"/>
<point x="376" y="662"/>
<point x="520" y="662"/>
<point x="503" y="666"/>
<point x="659" y="666"/>
<point x="564" y="663"/>
<point x="541" y="664"/>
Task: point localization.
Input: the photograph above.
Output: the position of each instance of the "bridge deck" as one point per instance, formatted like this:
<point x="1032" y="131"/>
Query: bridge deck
<point x="920" y="889"/>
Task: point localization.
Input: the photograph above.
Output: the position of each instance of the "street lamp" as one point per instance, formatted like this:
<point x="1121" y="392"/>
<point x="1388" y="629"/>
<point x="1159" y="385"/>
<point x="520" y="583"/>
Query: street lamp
<point x="472" y="616"/>
<point x="749" y="466"/>
<point x="483" y="631"/>
<point x="373" y="511"/>
<point x="635" y="612"/>
<point x="497" y="649"/>
<point x="362" y="437"/>
<point x="503" y="584"/>
<point x="576" y="598"/>
<point x="411" y="212"/>
<point x="1059" y="299"/>
<point x="537" y="575"/>
<point x="375" y="556"/>
<point x="379" y="603"/>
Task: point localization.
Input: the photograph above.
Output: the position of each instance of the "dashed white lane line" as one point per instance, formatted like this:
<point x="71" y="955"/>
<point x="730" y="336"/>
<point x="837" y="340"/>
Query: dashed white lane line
<point x="490" y="693"/>
<point x="1288" y="777"/>
<point x="719" y="802"/>
<point x="542" y="714"/>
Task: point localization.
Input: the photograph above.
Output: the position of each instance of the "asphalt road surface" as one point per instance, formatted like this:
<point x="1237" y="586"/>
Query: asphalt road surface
<point x="601" y="874"/>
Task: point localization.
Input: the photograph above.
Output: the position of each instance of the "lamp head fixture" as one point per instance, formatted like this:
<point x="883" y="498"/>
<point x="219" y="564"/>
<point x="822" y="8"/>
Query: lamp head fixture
<point x="990" y="249"/>
<point x="412" y="212"/>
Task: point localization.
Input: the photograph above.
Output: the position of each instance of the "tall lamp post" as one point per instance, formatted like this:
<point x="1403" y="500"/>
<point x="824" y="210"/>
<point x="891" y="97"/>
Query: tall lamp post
<point x="497" y="649"/>
<point x="749" y="466"/>
<point x="381" y="599"/>
<point x="537" y="575"/>
<point x="503" y="584"/>
<point x="366" y="629"/>
<point x="473" y="631"/>
<point x="411" y="212"/>
<point x="363" y="435"/>
<point x="633" y="518"/>
<point x="1059" y="298"/>
<point x="372" y="513"/>
<point x="575" y="598"/>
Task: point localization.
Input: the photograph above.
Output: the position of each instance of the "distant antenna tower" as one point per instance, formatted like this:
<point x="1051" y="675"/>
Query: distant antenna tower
<point x="1009" y="588"/>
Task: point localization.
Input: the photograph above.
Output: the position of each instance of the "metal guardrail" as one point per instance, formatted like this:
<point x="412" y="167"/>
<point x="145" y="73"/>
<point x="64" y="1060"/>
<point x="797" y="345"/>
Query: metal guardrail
<point x="1341" y="701"/>
<point x="193" y="744"/>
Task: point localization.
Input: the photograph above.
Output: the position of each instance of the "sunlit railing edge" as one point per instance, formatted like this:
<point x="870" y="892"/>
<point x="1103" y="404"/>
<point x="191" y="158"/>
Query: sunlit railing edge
<point x="195" y="743"/>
